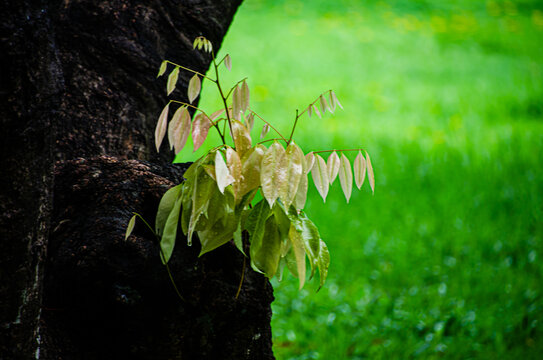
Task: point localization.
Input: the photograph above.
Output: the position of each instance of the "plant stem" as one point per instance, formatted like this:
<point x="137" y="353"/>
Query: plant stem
<point x="270" y="125"/>
<point x="242" y="277"/>
<point x="192" y="71"/>
<point x="293" y="127"/>
<point x="343" y="150"/>
<point x="222" y="96"/>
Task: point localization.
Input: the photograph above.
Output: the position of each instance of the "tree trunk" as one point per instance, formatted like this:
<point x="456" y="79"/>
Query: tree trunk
<point x="78" y="100"/>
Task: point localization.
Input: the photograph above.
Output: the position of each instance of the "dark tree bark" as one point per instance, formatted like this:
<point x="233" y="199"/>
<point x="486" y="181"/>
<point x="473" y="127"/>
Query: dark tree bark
<point x="78" y="100"/>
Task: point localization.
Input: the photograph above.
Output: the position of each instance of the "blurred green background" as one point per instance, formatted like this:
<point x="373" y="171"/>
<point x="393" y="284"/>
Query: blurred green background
<point x="444" y="261"/>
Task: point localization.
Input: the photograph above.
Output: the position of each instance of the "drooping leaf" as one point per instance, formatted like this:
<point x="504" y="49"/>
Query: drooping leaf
<point x="222" y="174"/>
<point x="333" y="166"/>
<point x="298" y="249"/>
<point x="332" y="102"/>
<point x="172" y="80"/>
<point x="320" y="176"/>
<point x="323" y="104"/>
<point x="256" y="221"/>
<point x="323" y="263"/>
<point x="202" y="190"/>
<point x="310" y="111"/>
<point x="236" y="103"/>
<point x="244" y="96"/>
<point x="336" y="101"/>
<point x="161" y="126"/>
<point x="210" y="170"/>
<point x="265" y="254"/>
<point x="165" y="207"/>
<point x="316" y="109"/>
<point x="371" y="177"/>
<point x="228" y="62"/>
<point x="311" y="239"/>
<point x="291" y="167"/>
<point x="250" y="121"/>
<point x="238" y="240"/>
<point x="264" y="131"/>
<point x="309" y="160"/>
<point x="301" y="193"/>
<point x="234" y="166"/>
<point x="167" y="241"/>
<point x="200" y="128"/>
<point x="221" y="232"/>
<point x="346" y="177"/>
<point x="216" y="114"/>
<point x="179" y="129"/>
<point x="162" y="69"/>
<point x="269" y="174"/>
<point x="242" y="137"/>
<point x="130" y="227"/>
<point x="359" y="168"/>
<point x="194" y="88"/>
<point x="250" y="169"/>
<point x="196" y="42"/>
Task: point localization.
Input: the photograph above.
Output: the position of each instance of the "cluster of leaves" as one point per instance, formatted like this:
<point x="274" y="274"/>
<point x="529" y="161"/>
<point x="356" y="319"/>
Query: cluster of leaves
<point x="240" y="186"/>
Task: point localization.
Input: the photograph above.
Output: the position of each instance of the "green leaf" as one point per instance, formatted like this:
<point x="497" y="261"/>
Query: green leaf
<point x="359" y="167"/>
<point x="162" y="69"/>
<point x="323" y="263"/>
<point x="266" y="250"/>
<point x="161" y="126"/>
<point x="172" y="80"/>
<point x="256" y="220"/>
<point x="219" y="233"/>
<point x="165" y="207"/>
<point x="298" y="249"/>
<point x="320" y="176"/>
<point x="201" y="194"/>
<point x="371" y="177"/>
<point x="269" y="172"/>
<point x="333" y="166"/>
<point x="167" y="242"/>
<point x="311" y="239"/>
<point x="234" y="166"/>
<point x="238" y="240"/>
<point x="346" y="177"/>
<point x="194" y="88"/>
<point x="309" y="160"/>
<point x="292" y="169"/>
<point x="130" y="227"/>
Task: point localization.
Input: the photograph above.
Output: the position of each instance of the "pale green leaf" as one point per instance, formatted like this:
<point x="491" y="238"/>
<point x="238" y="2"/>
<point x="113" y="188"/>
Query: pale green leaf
<point x="346" y="177"/>
<point x="269" y="175"/>
<point x="371" y="177"/>
<point x="167" y="241"/>
<point x="256" y="220"/>
<point x="242" y="137"/>
<point x="234" y="166"/>
<point x="219" y="233"/>
<point x="250" y="169"/>
<point x="311" y="239"/>
<point x="320" y="176"/>
<point x="298" y="249"/>
<point x="244" y="96"/>
<point x="172" y="80"/>
<point x="196" y="42"/>
<point x="200" y="129"/>
<point x="336" y="101"/>
<point x="130" y="227"/>
<point x="323" y="104"/>
<point x="264" y="131"/>
<point x="250" y="121"/>
<point x="332" y="102"/>
<point x="309" y="160"/>
<point x="333" y="166"/>
<point x="236" y="103"/>
<point x="202" y="190"/>
<point x="162" y="69"/>
<point x="161" y="126"/>
<point x="238" y="239"/>
<point x="228" y="62"/>
<point x="222" y="174"/>
<point x="194" y="88"/>
<point x="290" y="173"/>
<point x="359" y="168"/>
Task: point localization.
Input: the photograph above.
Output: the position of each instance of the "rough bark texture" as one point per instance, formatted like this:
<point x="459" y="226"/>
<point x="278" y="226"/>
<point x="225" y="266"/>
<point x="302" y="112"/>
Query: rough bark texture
<point x="78" y="81"/>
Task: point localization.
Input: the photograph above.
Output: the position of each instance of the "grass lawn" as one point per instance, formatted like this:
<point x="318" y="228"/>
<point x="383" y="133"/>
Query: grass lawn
<point x="444" y="261"/>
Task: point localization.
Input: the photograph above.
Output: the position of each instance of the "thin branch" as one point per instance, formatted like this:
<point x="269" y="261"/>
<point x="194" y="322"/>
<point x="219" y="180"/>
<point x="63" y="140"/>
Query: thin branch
<point x="192" y="71"/>
<point x="270" y="125"/>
